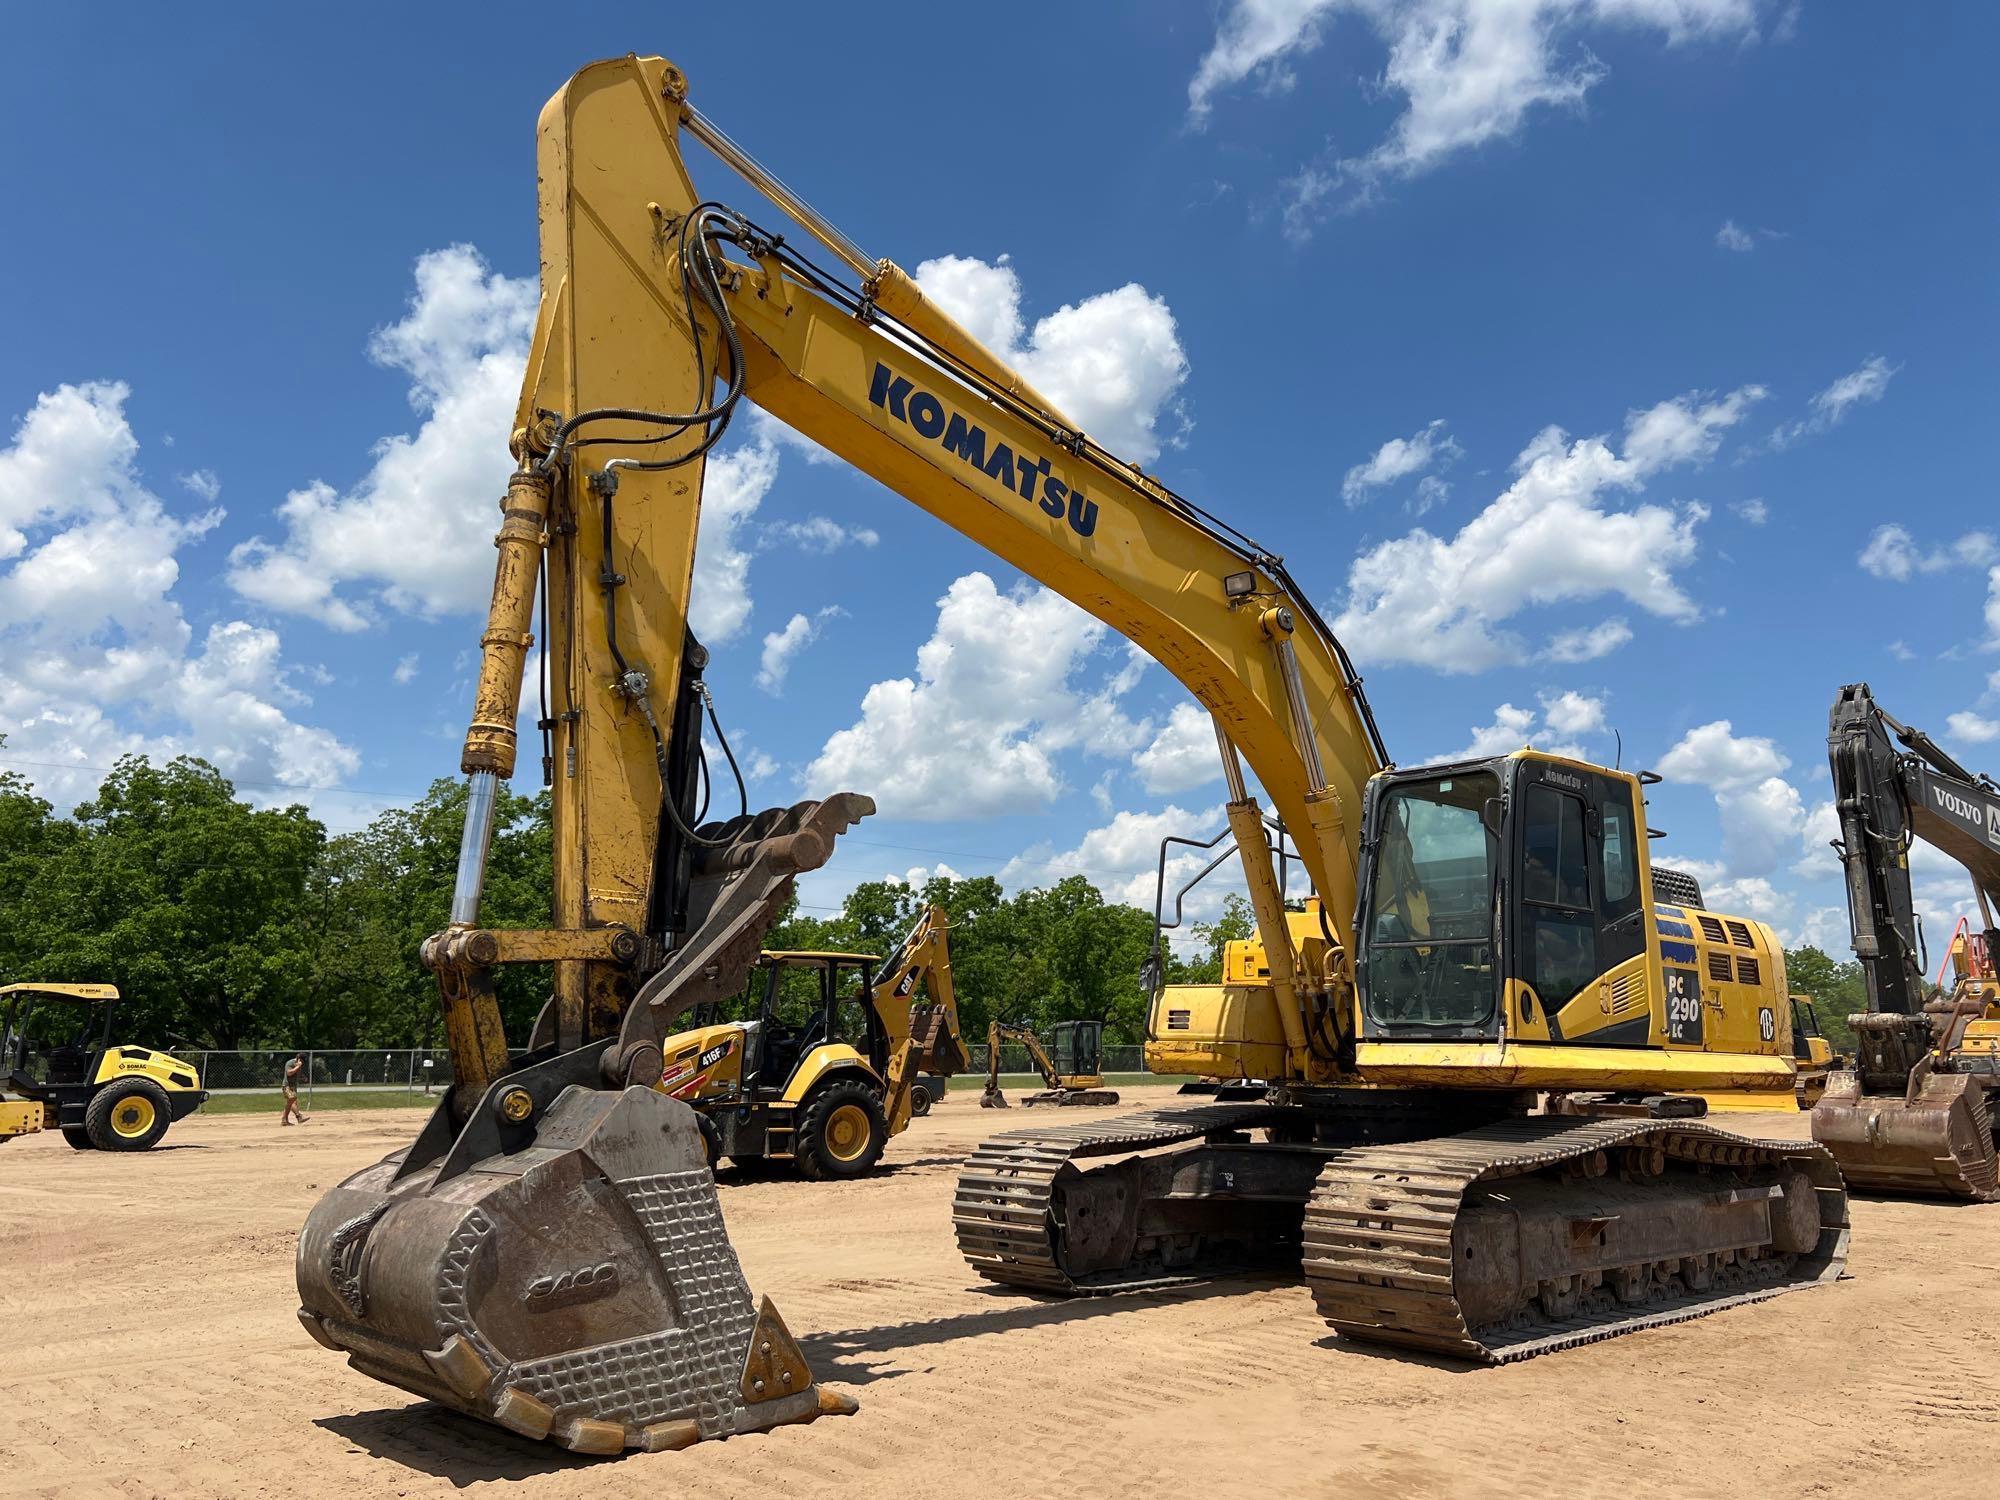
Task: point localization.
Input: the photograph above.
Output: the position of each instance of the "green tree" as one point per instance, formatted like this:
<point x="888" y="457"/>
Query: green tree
<point x="1835" y="988"/>
<point x="185" y="898"/>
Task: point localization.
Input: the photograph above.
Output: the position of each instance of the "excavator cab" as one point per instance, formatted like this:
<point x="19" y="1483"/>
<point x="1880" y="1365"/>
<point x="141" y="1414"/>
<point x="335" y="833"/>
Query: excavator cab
<point x="1077" y="1049"/>
<point x="1513" y="899"/>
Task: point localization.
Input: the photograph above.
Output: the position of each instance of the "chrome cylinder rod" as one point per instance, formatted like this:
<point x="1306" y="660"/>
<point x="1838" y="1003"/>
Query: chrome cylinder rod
<point x="767" y="182"/>
<point x="481" y="798"/>
<point x="1232" y="766"/>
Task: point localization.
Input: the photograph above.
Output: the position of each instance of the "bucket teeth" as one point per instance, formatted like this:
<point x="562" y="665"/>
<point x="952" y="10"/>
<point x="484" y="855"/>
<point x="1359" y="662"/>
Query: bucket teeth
<point x="582" y="1290"/>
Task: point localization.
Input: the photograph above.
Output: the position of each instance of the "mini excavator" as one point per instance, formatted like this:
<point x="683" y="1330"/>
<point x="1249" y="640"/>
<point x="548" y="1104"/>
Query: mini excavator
<point x="1071" y="1065"/>
<point x="1913" y="1114"/>
<point x="549" y="1255"/>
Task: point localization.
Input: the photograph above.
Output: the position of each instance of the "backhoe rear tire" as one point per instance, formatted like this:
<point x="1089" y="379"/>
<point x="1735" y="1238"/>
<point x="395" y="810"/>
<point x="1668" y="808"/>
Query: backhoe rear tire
<point x="841" y="1131"/>
<point x="920" y="1101"/>
<point x="129" y="1115"/>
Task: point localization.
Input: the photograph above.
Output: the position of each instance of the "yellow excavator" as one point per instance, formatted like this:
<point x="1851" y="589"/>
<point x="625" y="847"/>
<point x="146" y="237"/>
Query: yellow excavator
<point x="1914" y="1114"/>
<point x="1071" y="1065"/>
<point x="549" y="1254"/>
<point x="829" y="1057"/>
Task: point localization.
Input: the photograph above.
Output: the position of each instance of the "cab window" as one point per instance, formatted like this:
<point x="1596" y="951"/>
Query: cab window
<point x="1557" y="871"/>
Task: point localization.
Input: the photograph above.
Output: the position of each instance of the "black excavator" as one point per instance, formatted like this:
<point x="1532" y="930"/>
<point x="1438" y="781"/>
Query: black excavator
<point x="1913" y="1114"/>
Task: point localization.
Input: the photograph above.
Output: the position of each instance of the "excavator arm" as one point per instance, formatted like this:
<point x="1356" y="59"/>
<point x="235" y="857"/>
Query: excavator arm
<point x="1887" y="797"/>
<point x="921" y="1037"/>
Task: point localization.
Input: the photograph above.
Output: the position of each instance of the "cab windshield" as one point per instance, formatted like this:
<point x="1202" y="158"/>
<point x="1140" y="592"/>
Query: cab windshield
<point x="1428" y="935"/>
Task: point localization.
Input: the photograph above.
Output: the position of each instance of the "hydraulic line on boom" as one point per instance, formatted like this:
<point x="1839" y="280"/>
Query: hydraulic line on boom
<point x="1468" y="938"/>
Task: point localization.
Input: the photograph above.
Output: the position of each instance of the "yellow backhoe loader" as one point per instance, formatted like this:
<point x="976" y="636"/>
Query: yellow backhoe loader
<point x="549" y="1254"/>
<point x="825" y="1061"/>
<point x="1914" y="1114"/>
<point x="56" y="1043"/>
<point x="1071" y="1065"/>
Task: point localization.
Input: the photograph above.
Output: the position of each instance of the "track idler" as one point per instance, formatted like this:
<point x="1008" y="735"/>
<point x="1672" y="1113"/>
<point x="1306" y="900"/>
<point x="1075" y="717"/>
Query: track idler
<point x="567" y="1276"/>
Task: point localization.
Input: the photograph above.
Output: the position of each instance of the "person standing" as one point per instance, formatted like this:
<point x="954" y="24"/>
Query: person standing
<point x="294" y="1070"/>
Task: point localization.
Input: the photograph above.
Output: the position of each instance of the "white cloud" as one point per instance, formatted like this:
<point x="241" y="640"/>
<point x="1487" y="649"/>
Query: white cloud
<point x="976" y="733"/>
<point x="1972" y="728"/>
<point x="1894" y="554"/>
<point x="1858" y="387"/>
<point x="1184" y="756"/>
<point x="733" y="486"/>
<point x="1763" y="816"/>
<point x="406" y="671"/>
<point x="1113" y="362"/>
<point x="1466" y="73"/>
<point x="1122" y="857"/>
<point x="202" y="484"/>
<point x="919" y="876"/>
<point x="413" y="535"/>
<point x="1736" y="237"/>
<point x="818" y="534"/>
<point x="1715" y="756"/>
<point x="1550" y="537"/>
<point x="1752" y="512"/>
<point x="1568" y="714"/>
<point x="781" y="646"/>
<point x="1401" y="457"/>
<point x="96" y="658"/>
<point x="1510" y="730"/>
<point x="1588" y="642"/>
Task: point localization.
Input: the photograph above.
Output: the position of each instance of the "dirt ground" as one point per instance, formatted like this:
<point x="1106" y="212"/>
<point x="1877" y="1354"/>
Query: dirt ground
<point x="148" y="1347"/>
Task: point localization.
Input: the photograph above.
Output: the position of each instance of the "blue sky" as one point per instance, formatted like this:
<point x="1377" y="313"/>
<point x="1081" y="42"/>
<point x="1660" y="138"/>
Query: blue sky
<point x="1575" y="354"/>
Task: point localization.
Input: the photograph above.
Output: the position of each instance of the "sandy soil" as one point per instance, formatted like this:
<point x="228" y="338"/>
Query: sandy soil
<point x="148" y="1346"/>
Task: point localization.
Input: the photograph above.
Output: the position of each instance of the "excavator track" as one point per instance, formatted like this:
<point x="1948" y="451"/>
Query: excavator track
<point x="1011" y="1226"/>
<point x="1938" y="1144"/>
<point x="1398" y="1239"/>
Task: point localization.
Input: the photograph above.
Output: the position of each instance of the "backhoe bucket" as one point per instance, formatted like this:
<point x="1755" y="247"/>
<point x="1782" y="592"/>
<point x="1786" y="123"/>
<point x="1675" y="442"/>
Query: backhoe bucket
<point x="1936" y="1144"/>
<point x="553" y="1258"/>
<point x="582" y="1290"/>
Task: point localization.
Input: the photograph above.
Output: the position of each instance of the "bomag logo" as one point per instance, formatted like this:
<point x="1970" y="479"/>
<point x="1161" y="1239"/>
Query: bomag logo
<point x="1025" y="474"/>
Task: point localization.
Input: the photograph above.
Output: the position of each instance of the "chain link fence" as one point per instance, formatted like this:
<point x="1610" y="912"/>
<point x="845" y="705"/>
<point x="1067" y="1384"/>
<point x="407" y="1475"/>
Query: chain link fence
<point x="421" y="1071"/>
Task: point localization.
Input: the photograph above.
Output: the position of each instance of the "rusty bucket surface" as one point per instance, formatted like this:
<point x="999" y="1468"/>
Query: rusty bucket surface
<point x="582" y="1289"/>
<point x="1937" y="1142"/>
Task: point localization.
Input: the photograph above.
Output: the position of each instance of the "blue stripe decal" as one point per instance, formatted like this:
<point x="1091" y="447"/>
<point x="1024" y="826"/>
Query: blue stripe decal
<point x="1677" y="953"/>
<point x="1670" y="911"/>
<point x="1676" y="929"/>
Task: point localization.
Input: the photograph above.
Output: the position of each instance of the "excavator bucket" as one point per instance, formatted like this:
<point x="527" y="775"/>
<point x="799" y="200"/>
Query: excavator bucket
<point x="554" y="1258"/>
<point x="1935" y="1142"/>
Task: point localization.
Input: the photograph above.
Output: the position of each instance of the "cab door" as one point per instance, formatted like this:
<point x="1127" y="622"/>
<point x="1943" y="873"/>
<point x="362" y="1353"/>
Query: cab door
<point x="1579" y="913"/>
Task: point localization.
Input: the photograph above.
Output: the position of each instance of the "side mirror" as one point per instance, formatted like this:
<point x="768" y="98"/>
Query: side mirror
<point x="1489" y="814"/>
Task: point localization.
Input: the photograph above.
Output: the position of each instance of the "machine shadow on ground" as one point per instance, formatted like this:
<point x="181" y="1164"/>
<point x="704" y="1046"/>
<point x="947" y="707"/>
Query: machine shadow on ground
<point x="830" y="1353"/>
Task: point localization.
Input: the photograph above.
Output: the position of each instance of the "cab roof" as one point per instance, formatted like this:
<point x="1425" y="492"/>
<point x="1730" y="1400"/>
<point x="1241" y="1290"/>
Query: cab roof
<point x="63" y="991"/>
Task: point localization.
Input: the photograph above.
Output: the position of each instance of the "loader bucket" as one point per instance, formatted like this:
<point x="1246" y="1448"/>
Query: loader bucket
<point x="1935" y="1143"/>
<point x="553" y="1257"/>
